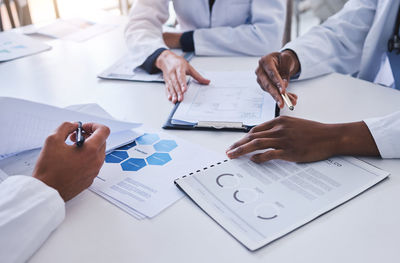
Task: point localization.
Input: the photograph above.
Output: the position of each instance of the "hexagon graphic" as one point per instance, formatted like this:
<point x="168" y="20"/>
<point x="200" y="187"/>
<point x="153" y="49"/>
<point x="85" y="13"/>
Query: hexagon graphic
<point x="128" y="146"/>
<point x="147" y="139"/>
<point x="116" y="157"/>
<point x="158" y="159"/>
<point x="133" y="164"/>
<point x="165" y="146"/>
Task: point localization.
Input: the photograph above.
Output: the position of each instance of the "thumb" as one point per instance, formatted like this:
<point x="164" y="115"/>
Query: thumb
<point x="65" y="129"/>
<point x="196" y="75"/>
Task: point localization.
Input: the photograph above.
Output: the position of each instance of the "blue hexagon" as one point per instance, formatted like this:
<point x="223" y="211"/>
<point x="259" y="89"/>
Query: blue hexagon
<point x="147" y="139"/>
<point x="158" y="159"/>
<point x="116" y="157"/>
<point x="133" y="164"/>
<point x="165" y="146"/>
<point x="128" y="146"/>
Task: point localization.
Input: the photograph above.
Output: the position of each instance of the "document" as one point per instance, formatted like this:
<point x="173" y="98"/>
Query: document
<point x="230" y="97"/>
<point x="23" y="163"/>
<point x="27" y="124"/>
<point x="3" y="176"/>
<point x="128" y="68"/>
<point x="13" y="46"/>
<point x="74" y="29"/>
<point x="259" y="203"/>
<point x="139" y="177"/>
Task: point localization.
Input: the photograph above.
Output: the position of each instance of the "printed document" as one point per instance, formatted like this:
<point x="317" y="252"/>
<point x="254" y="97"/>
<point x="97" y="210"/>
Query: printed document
<point x="74" y="29"/>
<point x="128" y="68"/>
<point x="230" y="97"/>
<point x="259" y="203"/>
<point x="13" y="45"/>
<point x="27" y="124"/>
<point x="139" y="177"/>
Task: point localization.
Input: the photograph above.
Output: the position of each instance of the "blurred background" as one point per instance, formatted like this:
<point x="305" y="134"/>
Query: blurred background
<point x="15" y="13"/>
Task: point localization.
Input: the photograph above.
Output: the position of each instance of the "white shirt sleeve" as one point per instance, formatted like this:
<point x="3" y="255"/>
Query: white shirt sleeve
<point x="337" y="44"/>
<point x="386" y="133"/>
<point x="143" y="34"/>
<point x="262" y="35"/>
<point x="29" y="211"/>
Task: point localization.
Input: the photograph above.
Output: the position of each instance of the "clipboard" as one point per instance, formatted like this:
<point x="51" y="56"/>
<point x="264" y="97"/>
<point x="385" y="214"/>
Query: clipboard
<point x="209" y="125"/>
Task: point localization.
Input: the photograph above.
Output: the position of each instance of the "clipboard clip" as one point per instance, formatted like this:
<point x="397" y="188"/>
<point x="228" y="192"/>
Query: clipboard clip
<point x="219" y="125"/>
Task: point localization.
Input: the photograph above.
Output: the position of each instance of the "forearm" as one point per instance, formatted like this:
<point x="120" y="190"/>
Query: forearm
<point x="337" y="44"/>
<point x="143" y="33"/>
<point x="34" y="210"/>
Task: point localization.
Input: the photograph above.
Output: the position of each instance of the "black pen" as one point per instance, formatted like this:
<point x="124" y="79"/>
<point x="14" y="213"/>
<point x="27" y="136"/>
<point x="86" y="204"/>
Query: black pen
<point x="80" y="139"/>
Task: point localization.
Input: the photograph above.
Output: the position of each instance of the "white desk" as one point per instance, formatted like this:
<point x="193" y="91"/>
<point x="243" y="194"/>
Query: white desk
<point x="363" y="230"/>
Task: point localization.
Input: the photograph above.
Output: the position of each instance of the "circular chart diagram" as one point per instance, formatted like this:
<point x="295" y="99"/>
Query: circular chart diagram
<point x="227" y="181"/>
<point x="266" y="211"/>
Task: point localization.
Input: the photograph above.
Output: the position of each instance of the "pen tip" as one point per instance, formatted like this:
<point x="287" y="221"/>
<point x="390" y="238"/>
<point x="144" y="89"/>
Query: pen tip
<point x="291" y="108"/>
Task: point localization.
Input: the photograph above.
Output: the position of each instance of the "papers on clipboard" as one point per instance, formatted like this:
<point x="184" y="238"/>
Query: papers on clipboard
<point x="13" y="46"/>
<point x="232" y="100"/>
<point x="259" y="203"/>
<point x="128" y="68"/>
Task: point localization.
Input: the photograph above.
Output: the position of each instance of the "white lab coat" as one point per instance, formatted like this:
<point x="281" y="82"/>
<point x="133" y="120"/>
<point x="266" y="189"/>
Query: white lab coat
<point x="354" y="41"/>
<point x="29" y="212"/>
<point x="235" y="27"/>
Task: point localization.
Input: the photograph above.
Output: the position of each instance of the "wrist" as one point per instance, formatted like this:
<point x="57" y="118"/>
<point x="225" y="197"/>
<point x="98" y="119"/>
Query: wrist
<point x="295" y="63"/>
<point x="352" y="139"/>
<point x="160" y="61"/>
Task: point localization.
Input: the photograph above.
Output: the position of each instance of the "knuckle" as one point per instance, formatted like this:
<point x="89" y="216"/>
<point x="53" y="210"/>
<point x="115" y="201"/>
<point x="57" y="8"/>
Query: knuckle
<point x="257" y="142"/>
<point x="51" y="139"/>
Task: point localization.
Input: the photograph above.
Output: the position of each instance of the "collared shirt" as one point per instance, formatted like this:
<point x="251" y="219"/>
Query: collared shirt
<point x="29" y="212"/>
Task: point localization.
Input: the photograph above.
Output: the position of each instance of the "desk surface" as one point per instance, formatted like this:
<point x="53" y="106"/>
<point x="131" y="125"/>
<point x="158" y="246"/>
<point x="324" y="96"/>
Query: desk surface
<point x="362" y="230"/>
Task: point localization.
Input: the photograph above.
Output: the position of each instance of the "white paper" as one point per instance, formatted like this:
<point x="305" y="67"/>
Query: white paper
<point x="27" y="124"/>
<point x="141" y="176"/>
<point x="74" y="29"/>
<point x="13" y="45"/>
<point x="127" y="68"/>
<point x="258" y="203"/>
<point x="3" y="176"/>
<point x="115" y="139"/>
<point x="230" y="97"/>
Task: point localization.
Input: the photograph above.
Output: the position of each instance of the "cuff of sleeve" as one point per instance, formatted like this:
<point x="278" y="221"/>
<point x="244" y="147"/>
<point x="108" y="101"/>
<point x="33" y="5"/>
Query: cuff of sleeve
<point x="149" y="65"/>
<point x="385" y="131"/>
<point x="187" y="41"/>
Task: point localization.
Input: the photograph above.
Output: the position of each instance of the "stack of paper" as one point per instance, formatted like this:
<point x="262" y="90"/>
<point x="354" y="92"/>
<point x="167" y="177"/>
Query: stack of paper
<point x="74" y="29"/>
<point x="32" y="122"/>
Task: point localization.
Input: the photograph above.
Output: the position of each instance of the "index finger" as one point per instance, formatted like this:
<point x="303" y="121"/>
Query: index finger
<point x="197" y="76"/>
<point x="270" y="68"/>
<point x="98" y="134"/>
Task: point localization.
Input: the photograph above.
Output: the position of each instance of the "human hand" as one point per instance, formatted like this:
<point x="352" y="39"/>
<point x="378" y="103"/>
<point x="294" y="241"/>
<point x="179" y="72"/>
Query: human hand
<point x="299" y="140"/>
<point x="175" y="68"/>
<point x="172" y="40"/>
<point x="274" y="72"/>
<point x="67" y="168"/>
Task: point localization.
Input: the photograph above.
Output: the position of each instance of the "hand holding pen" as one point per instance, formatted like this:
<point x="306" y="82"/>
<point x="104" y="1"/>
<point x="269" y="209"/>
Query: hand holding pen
<point x="273" y="74"/>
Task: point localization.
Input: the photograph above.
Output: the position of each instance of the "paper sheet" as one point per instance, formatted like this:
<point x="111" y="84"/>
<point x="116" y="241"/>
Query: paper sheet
<point x="141" y="175"/>
<point x="258" y="203"/>
<point x="28" y="123"/>
<point x="127" y="68"/>
<point x="3" y="176"/>
<point x="74" y="29"/>
<point x="13" y="45"/>
<point x="230" y="97"/>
